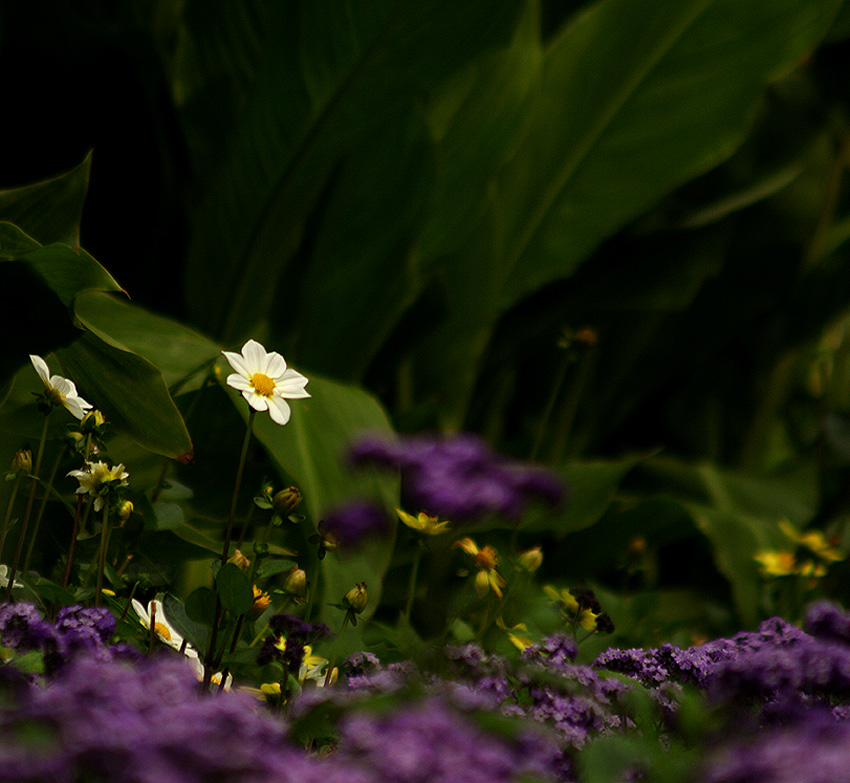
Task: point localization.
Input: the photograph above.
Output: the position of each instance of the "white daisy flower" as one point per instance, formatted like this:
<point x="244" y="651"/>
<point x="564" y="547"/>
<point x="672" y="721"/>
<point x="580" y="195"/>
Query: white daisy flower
<point x="163" y="629"/>
<point x="60" y="390"/>
<point x="265" y="381"/>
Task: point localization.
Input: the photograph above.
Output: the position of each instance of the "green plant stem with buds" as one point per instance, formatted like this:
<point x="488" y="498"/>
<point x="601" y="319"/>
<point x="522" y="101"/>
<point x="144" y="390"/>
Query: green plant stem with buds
<point x="75" y="530"/>
<point x="208" y="659"/>
<point x="36" y="470"/>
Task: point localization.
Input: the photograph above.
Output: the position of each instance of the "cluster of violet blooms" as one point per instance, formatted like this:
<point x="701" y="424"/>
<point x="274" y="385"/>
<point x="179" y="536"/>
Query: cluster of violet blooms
<point x="101" y="712"/>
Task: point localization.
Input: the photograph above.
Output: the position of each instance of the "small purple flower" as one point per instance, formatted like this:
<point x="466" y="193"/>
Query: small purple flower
<point x="290" y="636"/>
<point x="356" y="521"/>
<point x="828" y="621"/>
<point x="460" y="478"/>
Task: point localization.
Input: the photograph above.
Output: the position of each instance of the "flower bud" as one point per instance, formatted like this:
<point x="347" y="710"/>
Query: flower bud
<point x="286" y="501"/>
<point x="92" y="420"/>
<point x="124" y="510"/>
<point x="531" y="560"/>
<point x="295" y="582"/>
<point x="22" y="462"/>
<point x="238" y="559"/>
<point x="356" y="598"/>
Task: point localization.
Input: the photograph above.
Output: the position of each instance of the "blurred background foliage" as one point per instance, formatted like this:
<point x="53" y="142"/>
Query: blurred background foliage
<point x="607" y="237"/>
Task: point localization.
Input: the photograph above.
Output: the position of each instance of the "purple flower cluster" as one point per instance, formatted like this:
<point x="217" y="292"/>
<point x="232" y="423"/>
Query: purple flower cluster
<point x="460" y="478"/>
<point x="354" y="522"/>
<point x="78" y="630"/>
<point x="106" y="721"/>
<point x="814" y="750"/>
<point x="433" y="742"/>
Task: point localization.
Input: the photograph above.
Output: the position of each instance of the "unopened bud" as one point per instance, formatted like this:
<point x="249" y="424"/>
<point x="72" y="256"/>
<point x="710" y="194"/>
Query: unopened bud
<point x="356" y="598"/>
<point x="238" y="559"/>
<point x="22" y="462"/>
<point x="124" y="510"/>
<point x="531" y="560"/>
<point x="286" y="501"/>
<point x="295" y="582"/>
<point x="92" y="420"/>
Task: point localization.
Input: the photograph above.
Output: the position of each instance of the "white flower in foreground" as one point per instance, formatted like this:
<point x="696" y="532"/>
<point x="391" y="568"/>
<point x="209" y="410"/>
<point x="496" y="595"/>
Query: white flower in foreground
<point x="98" y="480"/>
<point x="163" y="629"/>
<point x="265" y="381"/>
<point x="60" y="390"/>
<point x="4" y="578"/>
<point x="215" y="680"/>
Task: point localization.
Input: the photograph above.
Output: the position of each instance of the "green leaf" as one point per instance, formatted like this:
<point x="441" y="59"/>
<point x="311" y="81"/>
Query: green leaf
<point x="591" y="487"/>
<point x="175" y="349"/>
<point x="629" y="107"/>
<point x="49" y="210"/>
<point x="200" y="606"/>
<point x="194" y="631"/>
<point x="234" y="589"/>
<point x="314" y="79"/>
<point x="131" y="393"/>
<point x="273" y="568"/>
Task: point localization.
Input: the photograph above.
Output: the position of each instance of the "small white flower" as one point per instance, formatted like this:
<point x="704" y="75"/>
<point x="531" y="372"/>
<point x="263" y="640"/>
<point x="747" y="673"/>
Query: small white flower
<point x="4" y="578"/>
<point x="60" y="390"/>
<point x="98" y="480"/>
<point x="163" y="629"/>
<point x="265" y="381"/>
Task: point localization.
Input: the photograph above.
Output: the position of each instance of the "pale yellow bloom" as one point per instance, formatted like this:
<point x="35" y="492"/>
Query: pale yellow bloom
<point x="486" y="559"/>
<point x="429" y="526"/>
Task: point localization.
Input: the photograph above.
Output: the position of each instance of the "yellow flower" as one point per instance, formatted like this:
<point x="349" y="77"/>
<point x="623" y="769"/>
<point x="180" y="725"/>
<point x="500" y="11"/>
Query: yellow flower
<point x="265" y="381"/>
<point x="775" y="562"/>
<point x="486" y="559"/>
<point x="516" y="634"/>
<point x="429" y="526"/>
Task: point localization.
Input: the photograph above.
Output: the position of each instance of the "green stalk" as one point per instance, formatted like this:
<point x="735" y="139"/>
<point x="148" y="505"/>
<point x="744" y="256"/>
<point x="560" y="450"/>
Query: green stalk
<point x="47" y="491"/>
<point x="36" y="470"/>
<point x="228" y="533"/>
<point x="8" y="516"/>
<point x="104" y="545"/>
<point x="411" y="587"/>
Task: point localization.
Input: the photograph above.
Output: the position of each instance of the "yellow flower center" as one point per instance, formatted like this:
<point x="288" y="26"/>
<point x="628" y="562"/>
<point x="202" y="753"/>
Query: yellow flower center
<point x="487" y="558"/>
<point x="263" y="384"/>
<point x="162" y="631"/>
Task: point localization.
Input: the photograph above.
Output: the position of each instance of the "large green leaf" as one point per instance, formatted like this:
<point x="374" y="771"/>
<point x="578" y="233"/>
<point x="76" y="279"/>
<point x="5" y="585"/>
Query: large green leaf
<point x="130" y="391"/>
<point x="311" y="449"/>
<point x="630" y="106"/>
<point x="50" y="210"/>
<point x="316" y="79"/>
<point x="175" y="349"/>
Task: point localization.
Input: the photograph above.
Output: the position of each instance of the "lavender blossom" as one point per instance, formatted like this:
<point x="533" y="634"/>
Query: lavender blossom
<point x="459" y="477"/>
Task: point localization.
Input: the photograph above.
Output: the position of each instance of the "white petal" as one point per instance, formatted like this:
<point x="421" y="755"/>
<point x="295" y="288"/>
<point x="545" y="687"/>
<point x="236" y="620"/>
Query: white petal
<point x="255" y="356"/>
<point x="237" y="362"/>
<point x="236" y="381"/>
<point x="279" y="410"/>
<point x="275" y="366"/>
<point x="292" y="385"/>
<point x="77" y="406"/>
<point x="256" y="401"/>
<point x="41" y="368"/>
<point x="142" y="612"/>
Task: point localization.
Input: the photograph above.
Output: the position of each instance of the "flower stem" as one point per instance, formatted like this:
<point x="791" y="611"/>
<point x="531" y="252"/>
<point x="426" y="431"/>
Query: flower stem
<point x="411" y="587"/>
<point x="104" y="544"/>
<point x="228" y="533"/>
<point x="47" y="491"/>
<point x="30" y="499"/>
<point x="9" y="514"/>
